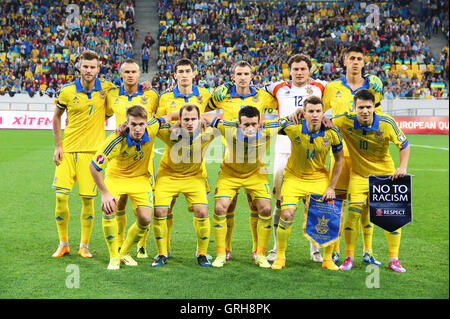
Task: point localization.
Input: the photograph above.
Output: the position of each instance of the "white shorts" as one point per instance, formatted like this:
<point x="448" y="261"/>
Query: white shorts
<point x="280" y="161"/>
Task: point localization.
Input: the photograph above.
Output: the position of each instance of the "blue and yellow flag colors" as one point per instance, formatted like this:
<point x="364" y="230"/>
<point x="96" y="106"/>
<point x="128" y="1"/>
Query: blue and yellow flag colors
<point x="323" y="221"/>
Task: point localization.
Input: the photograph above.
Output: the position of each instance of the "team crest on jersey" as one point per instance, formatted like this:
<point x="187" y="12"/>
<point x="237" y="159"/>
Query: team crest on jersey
<point x="379" y="135"/>
<point x="309" y="90"/>
<point x="326" y="142"/>
<point x="100" y="159"/>
<point x="322" y="225"/>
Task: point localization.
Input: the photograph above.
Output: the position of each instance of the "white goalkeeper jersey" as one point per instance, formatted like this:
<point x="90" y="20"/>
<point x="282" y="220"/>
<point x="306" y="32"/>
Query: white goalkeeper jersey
<point x="289" y="98"/>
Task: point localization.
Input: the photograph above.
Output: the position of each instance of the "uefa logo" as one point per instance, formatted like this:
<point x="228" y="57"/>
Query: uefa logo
<point x="379" y="212"/>
<point x="100" y="159"/>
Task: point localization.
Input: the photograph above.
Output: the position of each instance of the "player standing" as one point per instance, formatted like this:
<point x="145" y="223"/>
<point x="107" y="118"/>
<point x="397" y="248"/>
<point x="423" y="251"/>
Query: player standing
<point x="84" y="100"/>
<point x="119" y="100"/>
<point x="232" y="99"/>
<point x="290" y="96"/>
<point x="338" y="96"/>
<point x="367" y="135"/>
<point x="306" y="173"/>
<point x="185" y="92"/>
<point x="181" y="171"/>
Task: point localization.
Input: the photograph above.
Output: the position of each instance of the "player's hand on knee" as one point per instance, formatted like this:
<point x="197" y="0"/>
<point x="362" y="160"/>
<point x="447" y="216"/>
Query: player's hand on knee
<point x="58" y="155"/>
<point x="109" y="203"/>
<point x="221" y="91"/>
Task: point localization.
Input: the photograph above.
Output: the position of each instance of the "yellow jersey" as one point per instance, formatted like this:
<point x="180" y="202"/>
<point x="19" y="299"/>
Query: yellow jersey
<point x="86" y="112"/>
<point x="173" y="101"/>
<point x="338" y="96"/>
<point x="369" y="146"/>
<point x="309" y="151"/>
<point x="183" y="154"/>
<point x="234" y="102"/>
<point x="126" y="157"/>
<point x="118" y="100"/>
<point x="244" y="156"/>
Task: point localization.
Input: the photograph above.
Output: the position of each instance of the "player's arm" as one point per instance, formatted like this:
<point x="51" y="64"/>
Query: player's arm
<point x="109" y="202"/>
<point x="337" y="168"/>
<point x="58" y="153"/>
<point x="404" y="158"/>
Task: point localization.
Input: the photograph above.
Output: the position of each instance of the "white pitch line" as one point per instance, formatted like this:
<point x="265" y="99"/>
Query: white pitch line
<point x="432" y="147"/>
<point x="429" y="169"/>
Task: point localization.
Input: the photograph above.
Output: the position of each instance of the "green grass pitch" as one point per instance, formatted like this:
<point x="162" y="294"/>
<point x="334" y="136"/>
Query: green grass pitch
<point x="28" y="237"/>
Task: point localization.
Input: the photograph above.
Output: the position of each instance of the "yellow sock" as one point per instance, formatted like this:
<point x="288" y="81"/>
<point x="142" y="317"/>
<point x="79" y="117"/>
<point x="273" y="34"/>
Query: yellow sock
<point x="143" y="241"/>
<point x="327" y="252"/>
<point x="283" y="233"/>
<point x="254" y="229"/>
<point x="169" y="222"/>
<point x="87" y="219"/>
<point x="160" y="234"/>
<point x="367" y="229"/>
<point x="230" y="227"/>
<point x="109" y="225"/>
<point x="121" y="218"/>
<point x="202" y="229"/>
<point x="220" y="231"/>
<point x="62" y="216"/>
<point x="264" y="229"/>
<point x="352" y="229"/>
<point x="134" y="234"/>
<point x="393" y="241"/>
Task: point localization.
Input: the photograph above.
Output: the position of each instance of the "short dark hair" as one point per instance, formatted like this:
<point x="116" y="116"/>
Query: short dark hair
<point x="313" y="100"/>
<point x="184" y="61"/>
<point x="354" y="48"/>
<point x="249" y="111"/>
<point x="189" y="108"/>
<point x="296" y="58"/>
<point x="137" y="111"/>
<point x="241" y="64"/>
<point x="365" y="95"/>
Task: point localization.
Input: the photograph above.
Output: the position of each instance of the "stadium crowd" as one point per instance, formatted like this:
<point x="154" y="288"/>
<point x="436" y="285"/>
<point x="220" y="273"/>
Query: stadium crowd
<point x="40" y="41"/>
<point x="38" y="50"/>
<point x="215" y="34"/>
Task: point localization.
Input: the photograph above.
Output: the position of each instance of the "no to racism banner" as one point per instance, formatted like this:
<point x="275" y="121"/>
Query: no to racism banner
<point x="390" y="201"/>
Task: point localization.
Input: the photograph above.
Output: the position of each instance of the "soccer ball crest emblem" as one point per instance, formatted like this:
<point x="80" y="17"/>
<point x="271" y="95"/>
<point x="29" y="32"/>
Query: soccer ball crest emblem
<point x="100" y="159"/>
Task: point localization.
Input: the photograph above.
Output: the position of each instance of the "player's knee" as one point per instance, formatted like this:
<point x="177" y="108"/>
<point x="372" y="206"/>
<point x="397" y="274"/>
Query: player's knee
<point x="220" y="208"/>
<point x="61" y="198"/>
<point x="161" y="212"/>
<point x="287" y="214"/>
<point x="265" y="211"/>
<point x="200" y="211"/>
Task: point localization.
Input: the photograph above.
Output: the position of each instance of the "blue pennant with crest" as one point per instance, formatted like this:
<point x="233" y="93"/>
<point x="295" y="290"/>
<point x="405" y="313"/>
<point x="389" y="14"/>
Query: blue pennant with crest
<point x="323" y="221"/>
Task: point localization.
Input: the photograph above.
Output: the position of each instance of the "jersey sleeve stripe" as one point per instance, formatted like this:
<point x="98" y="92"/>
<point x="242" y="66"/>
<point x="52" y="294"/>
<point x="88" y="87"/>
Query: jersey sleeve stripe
<point x="319" y="85"/>
<point x="392" y="123"/>
<point x="96" y="167"/>
<point x="277" y="87"/>
<point x="111" y="145"/>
